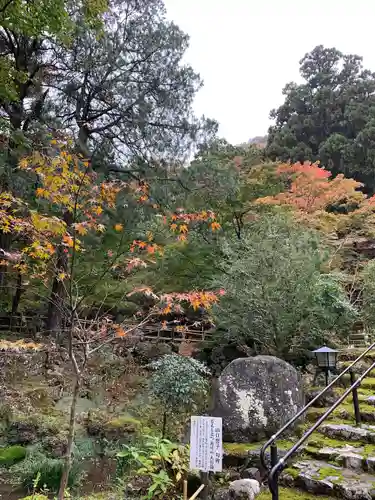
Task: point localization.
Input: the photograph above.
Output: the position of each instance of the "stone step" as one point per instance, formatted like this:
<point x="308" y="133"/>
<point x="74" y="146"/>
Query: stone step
<point x="321" y="478"/>
<point x="358" y="458"/>
<point x="346" y="412"/>
<point x="351" y="354"/>
<point x="242" y="455"/>
<point x="364" y="433"/>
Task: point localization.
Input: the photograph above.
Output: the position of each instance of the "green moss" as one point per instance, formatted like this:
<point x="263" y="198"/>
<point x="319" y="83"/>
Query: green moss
<point x="290" y="494"/>
<point x="44" y="423"/>
<point x="368" y="383"/>
<point x="125" y="423"/>
<point x="330" y="472"/>
<point x="243" y="448"/>
<point x="368" y="450"/>
<point x="35" y="497"/>
<point x="318" y="440"/>
<point x="291" y="471"/>
<point x="11" y="455"/>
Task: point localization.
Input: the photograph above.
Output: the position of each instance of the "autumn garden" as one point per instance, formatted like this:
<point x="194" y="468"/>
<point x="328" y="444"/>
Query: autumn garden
<point x="140" y="253"/>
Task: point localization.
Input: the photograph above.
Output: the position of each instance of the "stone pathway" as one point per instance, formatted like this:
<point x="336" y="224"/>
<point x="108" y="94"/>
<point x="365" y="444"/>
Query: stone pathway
<point x="339" y="459"/>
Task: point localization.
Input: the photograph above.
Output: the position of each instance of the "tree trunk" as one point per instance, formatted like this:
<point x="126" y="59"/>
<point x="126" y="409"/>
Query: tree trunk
<point x="5" y="243"/>
<point x="69" y="448"/>
<point x="164" y="429"/>
<point x="17" y="295"/>
<point x="56" y="306"/>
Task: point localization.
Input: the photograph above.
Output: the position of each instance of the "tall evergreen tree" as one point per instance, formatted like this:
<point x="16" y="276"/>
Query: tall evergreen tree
<point x="329" y="117"/>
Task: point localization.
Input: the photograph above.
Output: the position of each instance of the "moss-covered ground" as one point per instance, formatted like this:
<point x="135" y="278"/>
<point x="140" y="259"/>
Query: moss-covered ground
<point x="289" y="494"/>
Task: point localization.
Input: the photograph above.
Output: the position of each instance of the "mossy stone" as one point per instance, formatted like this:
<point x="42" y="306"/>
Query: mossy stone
<point x="11" y="455"/>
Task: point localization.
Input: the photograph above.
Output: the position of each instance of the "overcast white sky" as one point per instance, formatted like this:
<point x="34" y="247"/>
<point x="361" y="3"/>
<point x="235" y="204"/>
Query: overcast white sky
<point x="246" y="50"/>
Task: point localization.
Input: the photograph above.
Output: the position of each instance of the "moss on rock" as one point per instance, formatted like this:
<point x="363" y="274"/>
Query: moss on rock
<point x="100" y="424"/>
<point x="11" y="455"/>
<point x="241" y="449"/>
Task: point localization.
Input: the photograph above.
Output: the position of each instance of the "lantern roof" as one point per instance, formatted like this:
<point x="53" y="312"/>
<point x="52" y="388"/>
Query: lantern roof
<point x="325" y="349"/>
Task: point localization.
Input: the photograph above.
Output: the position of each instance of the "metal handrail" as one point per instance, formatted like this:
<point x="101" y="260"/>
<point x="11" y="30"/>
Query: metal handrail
<point x="305" y="408"/>
<point x="280" y="465"/>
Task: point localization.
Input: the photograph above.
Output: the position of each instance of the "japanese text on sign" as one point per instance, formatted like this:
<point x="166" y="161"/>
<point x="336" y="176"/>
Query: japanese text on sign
<point x="206" y="448"/>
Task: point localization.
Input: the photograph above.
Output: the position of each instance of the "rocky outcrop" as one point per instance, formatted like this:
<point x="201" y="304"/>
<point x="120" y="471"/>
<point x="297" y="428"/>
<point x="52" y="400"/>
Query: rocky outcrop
<point x="256" y="396"/>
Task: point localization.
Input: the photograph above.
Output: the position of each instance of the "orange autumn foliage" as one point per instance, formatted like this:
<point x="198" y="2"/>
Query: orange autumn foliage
<point x="67" y="186"/>
<point x="312" y="189"/>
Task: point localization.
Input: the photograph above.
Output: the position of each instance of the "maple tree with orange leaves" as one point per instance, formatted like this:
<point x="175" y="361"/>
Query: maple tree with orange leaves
<point x="311" y="188"/>
<point x="53" y="237"/>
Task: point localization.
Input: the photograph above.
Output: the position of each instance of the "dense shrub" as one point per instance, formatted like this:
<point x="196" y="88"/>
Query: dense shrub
<point x="49" y="471"/>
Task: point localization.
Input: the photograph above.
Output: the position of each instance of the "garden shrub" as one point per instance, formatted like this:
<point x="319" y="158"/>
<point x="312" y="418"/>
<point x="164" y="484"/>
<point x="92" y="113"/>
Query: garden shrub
<point x="48" y="470"/>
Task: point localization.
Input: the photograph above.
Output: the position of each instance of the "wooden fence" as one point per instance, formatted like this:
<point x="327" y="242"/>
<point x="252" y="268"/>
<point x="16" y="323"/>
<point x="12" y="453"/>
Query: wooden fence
<point x="30" y="326"/>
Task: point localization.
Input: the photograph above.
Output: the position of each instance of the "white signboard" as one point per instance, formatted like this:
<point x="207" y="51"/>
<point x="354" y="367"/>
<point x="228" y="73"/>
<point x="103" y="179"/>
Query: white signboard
<point x="206" y="444"/>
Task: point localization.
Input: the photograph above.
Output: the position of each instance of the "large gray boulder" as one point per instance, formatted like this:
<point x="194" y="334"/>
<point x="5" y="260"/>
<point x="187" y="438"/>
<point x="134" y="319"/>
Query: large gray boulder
<point x="241" y="489"/>
<point x="256" y="396"/>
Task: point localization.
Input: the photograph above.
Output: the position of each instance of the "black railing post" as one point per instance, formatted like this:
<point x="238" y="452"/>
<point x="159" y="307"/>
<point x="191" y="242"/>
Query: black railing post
<point x="357" y="413"/>
<point x="275" y="479"/>
<point x="274" y="487"/>
<point x="274" y="458"/>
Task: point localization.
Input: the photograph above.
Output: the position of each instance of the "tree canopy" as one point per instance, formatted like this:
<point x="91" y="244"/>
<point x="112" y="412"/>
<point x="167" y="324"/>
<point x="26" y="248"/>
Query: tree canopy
<point x="329" y="117"/>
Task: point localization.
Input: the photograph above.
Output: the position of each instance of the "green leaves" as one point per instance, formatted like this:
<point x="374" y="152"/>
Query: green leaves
<point x="163" y="462"/>
<point x="178" y="381"/>
<point x="277" y="299"/>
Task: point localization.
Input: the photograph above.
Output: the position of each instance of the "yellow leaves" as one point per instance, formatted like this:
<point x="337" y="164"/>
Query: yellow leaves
<point x="52" y="225"/>
<point x="97" y="210"/>
<point x="23" y="164"/>
<point x="81" y="228"/>
<point x="167" y="309"/>
<point x="195" y="303"/>
<point x="19" y="345"/>
<point x="118" y="227"/>
<point x="22" y="268"/>
<point x="40" y="251"/>
<point x="41" y="193"/>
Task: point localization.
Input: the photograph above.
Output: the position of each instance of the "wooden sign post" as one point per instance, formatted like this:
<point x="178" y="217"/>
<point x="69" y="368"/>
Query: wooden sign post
<point x="206" y="449"/>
